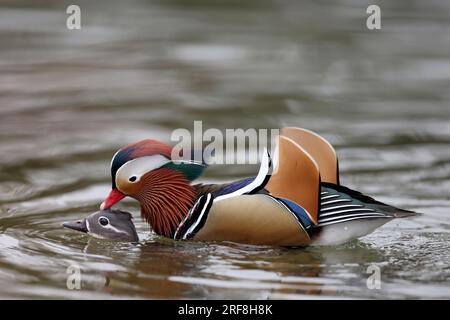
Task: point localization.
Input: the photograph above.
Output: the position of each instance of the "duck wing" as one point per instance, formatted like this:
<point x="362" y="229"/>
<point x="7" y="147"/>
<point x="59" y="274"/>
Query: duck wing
<point x="319" y="149"/>
<point x="294" y="183"/>
<point x="340" y="204"/>
<point x="295" y="177"/>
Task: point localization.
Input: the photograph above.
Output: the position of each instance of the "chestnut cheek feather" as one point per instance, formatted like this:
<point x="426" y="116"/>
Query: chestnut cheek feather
<point x="165" y="197"/>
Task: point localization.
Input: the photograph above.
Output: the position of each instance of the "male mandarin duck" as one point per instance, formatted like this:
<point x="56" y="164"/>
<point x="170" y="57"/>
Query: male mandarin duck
<point x="295" y="200"/>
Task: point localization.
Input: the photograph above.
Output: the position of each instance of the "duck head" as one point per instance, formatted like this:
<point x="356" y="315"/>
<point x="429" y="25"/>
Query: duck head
<point x="107" y="224"/>
<point x="145" y="171"/>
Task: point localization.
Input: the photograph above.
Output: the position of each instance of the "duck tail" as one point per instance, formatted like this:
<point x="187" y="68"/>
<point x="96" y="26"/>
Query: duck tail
<point x="401" y="213"/>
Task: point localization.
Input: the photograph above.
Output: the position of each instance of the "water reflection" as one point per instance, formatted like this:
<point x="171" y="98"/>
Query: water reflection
<point x="162" y="268"/>
<point x="139" y="69"/>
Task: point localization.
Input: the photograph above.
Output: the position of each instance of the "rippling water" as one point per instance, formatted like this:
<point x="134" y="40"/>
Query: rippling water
<point x="69" y="99"/>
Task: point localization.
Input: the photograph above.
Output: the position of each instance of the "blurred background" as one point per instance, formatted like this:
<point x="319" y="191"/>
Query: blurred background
<point x="140" y="69"/>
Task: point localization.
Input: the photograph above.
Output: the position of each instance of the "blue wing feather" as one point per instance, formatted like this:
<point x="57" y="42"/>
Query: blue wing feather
<point x="234" y="186"/>
<point x="299" y="212"/>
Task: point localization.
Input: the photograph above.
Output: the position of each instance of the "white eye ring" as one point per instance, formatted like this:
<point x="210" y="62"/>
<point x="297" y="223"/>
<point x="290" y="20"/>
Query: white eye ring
<point x="101" y="221"/>
<point x="132" y="179"/>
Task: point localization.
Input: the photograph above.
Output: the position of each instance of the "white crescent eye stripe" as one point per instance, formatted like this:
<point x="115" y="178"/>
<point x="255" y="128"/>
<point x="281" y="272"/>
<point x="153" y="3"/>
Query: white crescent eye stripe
<point x="140" y="166"/>
<point x="110" y="227"/>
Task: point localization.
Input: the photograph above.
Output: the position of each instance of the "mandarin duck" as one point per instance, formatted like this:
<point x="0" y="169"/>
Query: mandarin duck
<point x="294" y="200"/>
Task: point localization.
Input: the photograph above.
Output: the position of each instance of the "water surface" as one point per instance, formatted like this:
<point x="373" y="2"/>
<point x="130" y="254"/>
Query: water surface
<point x="140" y="69"/>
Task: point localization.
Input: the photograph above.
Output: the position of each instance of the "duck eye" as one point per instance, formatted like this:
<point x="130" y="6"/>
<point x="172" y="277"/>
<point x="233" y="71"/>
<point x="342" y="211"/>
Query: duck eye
<point x="132" y="179"/>
<point x="103" y="221"/>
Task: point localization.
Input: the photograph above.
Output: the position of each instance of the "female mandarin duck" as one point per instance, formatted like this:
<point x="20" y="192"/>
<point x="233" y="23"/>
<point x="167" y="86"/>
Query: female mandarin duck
<point x="299" y="203"/>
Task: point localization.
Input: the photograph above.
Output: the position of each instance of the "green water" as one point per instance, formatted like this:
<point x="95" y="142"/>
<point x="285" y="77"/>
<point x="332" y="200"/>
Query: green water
<point x="140" y="69"/>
